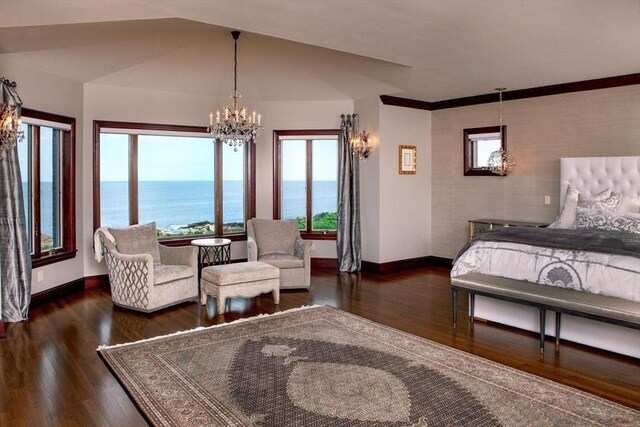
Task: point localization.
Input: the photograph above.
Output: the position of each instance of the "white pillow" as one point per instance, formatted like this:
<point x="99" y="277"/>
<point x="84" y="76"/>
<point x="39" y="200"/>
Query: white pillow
<point x="629" y="204"/>
<point x="567" y="217"/>
<point x="607" y="220"/>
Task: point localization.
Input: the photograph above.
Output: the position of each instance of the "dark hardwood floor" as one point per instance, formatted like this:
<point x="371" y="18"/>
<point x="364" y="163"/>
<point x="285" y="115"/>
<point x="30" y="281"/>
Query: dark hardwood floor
<point x="51" y="374"/>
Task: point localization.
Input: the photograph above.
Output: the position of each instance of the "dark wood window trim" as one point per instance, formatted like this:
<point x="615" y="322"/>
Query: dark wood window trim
<point x="68" y="185"/>
<point x="469" y="170"/>
<point x="250" y="194"/>
<point x="277" y="175"/>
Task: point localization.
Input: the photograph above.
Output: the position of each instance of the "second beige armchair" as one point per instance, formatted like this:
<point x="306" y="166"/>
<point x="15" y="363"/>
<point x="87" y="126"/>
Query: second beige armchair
<point x="278" y="243"/>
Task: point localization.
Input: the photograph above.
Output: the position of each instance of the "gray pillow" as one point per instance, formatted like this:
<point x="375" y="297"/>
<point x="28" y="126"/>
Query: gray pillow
<point x="629" y="204"/>
<point x="137" y="239"/>
<point x="572" y="199"/>
<point x="273" y="236"/>
<point x="607" y="220"/>
<point x="603" y="203"/>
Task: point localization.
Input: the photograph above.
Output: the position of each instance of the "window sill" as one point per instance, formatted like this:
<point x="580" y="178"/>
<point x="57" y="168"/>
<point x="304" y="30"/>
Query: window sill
<point x="52" y="259"/>
<point x="184" y="241"/>
<point x="318" y="236"/>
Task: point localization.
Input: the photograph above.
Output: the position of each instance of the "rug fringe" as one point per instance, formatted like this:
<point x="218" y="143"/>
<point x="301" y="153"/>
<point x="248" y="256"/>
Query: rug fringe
<point x="201" y="328"/>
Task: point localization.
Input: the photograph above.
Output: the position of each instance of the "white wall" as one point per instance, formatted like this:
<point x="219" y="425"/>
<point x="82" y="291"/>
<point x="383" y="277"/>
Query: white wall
<point x="52" y="94"/>
<point x="405" y="200"/>
<point x="147" y="106"/>
<point x="369" y="112"/>
<point x="396" y="208"/>
<point x="539" y="132"/>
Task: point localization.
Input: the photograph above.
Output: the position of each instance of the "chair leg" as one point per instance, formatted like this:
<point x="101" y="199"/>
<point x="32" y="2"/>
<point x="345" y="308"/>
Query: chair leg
<point x="276" y="296"/>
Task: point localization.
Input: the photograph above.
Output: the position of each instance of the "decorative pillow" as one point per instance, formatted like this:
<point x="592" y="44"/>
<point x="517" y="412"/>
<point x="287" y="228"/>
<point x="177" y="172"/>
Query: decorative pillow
<point x="607" y="220"/>
<point x="629" y="204"/>
<point x="567" y="217"/>
<point x="273" y="236"/>
<point x="137" y="239"/>
<point x="604" y="204"/>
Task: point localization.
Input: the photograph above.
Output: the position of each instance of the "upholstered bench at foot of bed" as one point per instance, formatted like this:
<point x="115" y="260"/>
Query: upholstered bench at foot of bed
<point x="576" y="303"/>
<point x="245" y="279"/>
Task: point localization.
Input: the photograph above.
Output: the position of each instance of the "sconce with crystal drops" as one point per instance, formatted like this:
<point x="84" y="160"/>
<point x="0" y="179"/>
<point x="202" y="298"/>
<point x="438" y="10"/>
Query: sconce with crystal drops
<point x="10" y="120"/>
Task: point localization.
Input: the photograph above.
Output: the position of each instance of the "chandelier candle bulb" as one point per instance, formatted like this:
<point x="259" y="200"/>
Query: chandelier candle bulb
<point x="218" y="116"/>
<point x="210" y="119"/>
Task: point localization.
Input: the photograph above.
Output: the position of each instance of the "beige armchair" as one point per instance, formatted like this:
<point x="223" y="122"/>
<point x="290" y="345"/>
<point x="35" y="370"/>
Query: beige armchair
<point x="143" y="274"/>
<point x="278" y="243"/>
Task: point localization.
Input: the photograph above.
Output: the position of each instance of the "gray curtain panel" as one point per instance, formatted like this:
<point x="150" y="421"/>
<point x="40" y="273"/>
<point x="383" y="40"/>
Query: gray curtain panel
<point x="348" y="239"/>
<point x="15" y="253"/>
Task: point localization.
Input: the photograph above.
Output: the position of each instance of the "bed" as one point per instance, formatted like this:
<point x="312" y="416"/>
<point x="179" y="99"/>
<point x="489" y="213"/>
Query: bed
<point x="582" y="267"/>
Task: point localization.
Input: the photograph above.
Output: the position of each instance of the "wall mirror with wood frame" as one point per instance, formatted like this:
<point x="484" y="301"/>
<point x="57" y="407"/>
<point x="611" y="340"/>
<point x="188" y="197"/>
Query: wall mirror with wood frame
<point x="479" y="143"/>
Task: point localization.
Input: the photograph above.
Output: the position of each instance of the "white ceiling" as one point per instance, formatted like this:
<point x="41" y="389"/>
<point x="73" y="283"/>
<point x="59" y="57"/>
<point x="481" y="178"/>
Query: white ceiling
<point x="325" y="49"/>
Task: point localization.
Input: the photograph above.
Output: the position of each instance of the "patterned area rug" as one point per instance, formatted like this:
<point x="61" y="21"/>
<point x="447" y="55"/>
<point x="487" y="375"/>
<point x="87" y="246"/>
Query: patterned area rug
<point x="320" y="366"/>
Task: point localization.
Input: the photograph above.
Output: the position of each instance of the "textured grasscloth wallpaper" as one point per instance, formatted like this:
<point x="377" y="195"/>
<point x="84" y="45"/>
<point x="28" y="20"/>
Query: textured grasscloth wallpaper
<point x="540" y="131"/>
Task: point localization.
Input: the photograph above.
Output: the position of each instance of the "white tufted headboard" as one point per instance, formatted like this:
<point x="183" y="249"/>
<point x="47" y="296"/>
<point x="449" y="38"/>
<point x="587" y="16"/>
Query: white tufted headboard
<point x="593" y="174"/>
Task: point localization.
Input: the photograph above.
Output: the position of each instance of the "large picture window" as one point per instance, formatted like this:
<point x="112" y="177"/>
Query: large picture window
<point x="175" y="176"/>
<point x="47" y="167"/>
<point x="306" y="180"/>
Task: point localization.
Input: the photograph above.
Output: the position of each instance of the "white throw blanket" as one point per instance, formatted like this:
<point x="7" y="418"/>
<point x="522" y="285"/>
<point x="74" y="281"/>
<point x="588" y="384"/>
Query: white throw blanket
<point x="97" y="243"/>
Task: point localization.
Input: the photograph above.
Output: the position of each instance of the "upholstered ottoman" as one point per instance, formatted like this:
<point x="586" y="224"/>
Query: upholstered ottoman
<point x="244" y="279"/>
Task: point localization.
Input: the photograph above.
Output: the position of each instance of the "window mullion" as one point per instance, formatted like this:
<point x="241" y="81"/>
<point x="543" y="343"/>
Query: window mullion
<point x="309" y="186"/>
<point x="133" y="179"/>
<point x="35" y="190"/>
<point x="219" y="183"/>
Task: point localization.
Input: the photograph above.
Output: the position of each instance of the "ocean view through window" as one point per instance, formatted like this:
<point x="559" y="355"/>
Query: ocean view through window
<point x="306" y="180"/>
<point x="175" y="176"/>
<point x="46" y="157"/>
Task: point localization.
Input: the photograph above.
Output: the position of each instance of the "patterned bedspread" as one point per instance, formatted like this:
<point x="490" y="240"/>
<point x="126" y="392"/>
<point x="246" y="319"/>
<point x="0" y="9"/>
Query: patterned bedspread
<point x="597" y="271"/>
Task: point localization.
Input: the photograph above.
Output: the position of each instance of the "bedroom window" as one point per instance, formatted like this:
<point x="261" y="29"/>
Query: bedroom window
<point x="175" y="176"/>
<point x="47" y="166"/>
<point x="479" y="143"/>
<point x="306" y="180"/>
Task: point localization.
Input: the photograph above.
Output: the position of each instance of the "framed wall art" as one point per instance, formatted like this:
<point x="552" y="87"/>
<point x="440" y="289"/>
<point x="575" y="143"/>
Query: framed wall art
<point x="407" y="158"/>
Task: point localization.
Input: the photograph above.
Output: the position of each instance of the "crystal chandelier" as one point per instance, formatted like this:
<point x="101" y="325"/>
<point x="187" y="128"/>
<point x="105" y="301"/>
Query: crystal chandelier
<point x="360" y="146"/>
<point x="501" y="162"/>
<point x="234" y="126"/>
<point x="10" y="110"/>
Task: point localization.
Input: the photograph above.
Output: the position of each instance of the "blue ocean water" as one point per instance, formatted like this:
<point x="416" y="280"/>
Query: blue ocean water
<point x="173" y="204"/>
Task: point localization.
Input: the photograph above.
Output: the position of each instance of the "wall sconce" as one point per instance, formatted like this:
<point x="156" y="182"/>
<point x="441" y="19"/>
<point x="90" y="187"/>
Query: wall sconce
<point x="10" y="111"/>
<point x="359" y="140"/>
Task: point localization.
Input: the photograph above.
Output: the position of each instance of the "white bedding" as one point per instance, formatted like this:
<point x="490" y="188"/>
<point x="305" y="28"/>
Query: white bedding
<point x="600" y="273"/>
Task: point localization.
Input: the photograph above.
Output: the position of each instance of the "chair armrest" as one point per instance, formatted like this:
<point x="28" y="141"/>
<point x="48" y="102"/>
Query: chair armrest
<point x="303" y="249"/>
<point x="127" y="272"/>
<point x="252" y="249"/>
<point x="179" y="255"/>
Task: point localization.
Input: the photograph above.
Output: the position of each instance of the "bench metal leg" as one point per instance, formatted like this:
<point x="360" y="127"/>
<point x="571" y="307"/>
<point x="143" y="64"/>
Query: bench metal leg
<point x="454" y="299"/>
<point x="558" y="314"/>
<point x="472" y="306"/>
<point x="543" y="318"/>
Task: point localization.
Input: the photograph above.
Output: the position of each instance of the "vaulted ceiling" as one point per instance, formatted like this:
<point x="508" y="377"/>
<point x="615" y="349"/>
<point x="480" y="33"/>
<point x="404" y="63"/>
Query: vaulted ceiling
<point x="324" y="50"/>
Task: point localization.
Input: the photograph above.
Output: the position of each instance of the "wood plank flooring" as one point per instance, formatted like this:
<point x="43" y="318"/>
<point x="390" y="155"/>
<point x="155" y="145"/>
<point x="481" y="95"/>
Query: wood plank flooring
<point x="50" y="374"/>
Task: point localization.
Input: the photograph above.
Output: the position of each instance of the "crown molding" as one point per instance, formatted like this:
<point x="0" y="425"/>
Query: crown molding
<point x="603" y="83"/>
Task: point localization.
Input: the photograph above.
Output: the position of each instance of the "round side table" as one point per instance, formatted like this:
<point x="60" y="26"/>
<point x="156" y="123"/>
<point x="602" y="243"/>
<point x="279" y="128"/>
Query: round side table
<point x="211" y="252"/>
